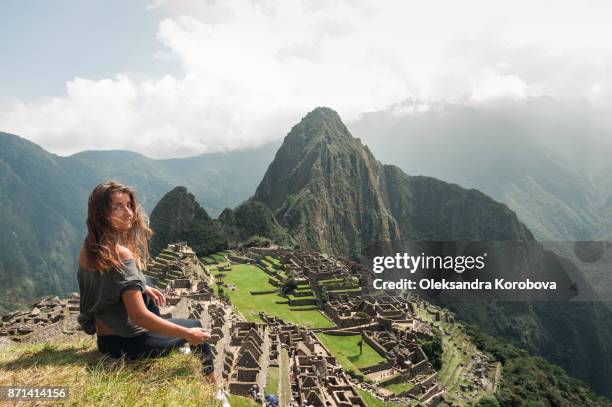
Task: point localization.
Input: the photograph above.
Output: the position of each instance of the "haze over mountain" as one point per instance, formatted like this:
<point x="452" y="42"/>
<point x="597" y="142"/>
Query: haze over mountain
<point x="547" y="159"/>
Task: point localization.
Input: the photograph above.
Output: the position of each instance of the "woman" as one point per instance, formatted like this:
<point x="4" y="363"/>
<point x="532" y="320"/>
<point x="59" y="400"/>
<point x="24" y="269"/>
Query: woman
<point x="115" y="300"/>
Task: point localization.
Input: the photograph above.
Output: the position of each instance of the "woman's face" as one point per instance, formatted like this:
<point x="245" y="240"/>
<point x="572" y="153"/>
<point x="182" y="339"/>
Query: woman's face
<point x="121" y="211"/>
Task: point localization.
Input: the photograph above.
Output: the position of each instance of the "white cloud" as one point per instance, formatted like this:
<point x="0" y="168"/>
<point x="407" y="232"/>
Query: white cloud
<point x="498" y="87"/>
<point x="252" y="69"/>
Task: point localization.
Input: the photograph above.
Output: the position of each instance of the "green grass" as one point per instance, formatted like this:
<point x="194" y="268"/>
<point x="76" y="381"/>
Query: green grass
<point x="267" y="264"/>
<point x="93" y="380"/>
<point x="306" y="297"/>
<point x="246" y="278"/>
<point x="398" y="388"/>
<point x="346" y="351"/>
<point x="273" y="260"/>
<point x="285" y="385"/>
<point x="219" y="256"/>
<point x="372" y="401"/>
<point x="272" y="381"/>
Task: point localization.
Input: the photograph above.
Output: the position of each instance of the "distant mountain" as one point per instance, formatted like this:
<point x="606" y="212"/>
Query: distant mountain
<point x="333" y="196"/>
<point x="251" y="219"/>
<point x="43" y="199"/>
<point x="544" y="158"/>
<point x="178" y="217"/>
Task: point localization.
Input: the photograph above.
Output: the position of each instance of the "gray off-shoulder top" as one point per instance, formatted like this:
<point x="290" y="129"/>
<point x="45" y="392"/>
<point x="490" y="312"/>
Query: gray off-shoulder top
<point x="101" y="298"/>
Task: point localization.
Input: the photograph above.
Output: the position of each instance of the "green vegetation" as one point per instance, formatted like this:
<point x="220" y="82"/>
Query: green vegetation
<point x="433" y="349"/>
<point x="178" y="217"/>
<point x="272" y="380"/>
<point x="93" y="380"/>
<point x="457" y="349"/>
<point x="246" y="278"/>
<point x="346" y="350"/>
<point x="487" y="402"/>
<point x="372" y="401"/>
<point x="254" y="223"/>
<point x="527" y="380"/>
<point x="285" y="385"/>
<point x="398" y="388"/>
<point x="273" y="260"/>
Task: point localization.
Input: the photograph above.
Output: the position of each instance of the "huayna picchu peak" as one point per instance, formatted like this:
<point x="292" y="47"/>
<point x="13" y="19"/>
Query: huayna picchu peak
<point x="331" y="193"/>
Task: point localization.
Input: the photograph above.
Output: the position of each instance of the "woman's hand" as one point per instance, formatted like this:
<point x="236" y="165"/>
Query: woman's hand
<point x="196" y="336"/>
<point x="156" y="295"/>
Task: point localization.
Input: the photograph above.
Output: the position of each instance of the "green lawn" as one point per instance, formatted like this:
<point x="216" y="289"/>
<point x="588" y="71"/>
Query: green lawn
<point x="372" y="401"/>
<point x="285" y="385"/>
<point x="346" y="351"/>
<point x="246" y="278"/>
<point x="272" y="381"/>
<point x="398" y="388"/>
<point x="219" y="256"/>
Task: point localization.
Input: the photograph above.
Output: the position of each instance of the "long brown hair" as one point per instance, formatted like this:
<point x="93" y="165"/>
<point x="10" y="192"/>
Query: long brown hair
<point x="100" y="245"/>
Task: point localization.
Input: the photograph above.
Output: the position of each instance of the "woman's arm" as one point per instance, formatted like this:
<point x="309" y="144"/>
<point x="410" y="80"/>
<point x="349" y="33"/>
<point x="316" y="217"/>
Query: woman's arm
<point x="141" y="316"/>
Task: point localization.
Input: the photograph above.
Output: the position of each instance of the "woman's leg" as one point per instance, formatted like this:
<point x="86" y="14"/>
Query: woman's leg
<point x="155" y="344"/>
<point x="152" y="344"/>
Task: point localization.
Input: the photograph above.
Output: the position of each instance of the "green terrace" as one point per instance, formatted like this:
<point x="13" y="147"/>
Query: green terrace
<point x="341" y="285"/>
<point x="372" y="401"/>
<point x="273" y="260"/>
<point x="346" y="351"/>
<point x="215" y="258"/>
<point x="398" y="388"/>
<point x="457" y="351"/>
<point x="243" y="284"/>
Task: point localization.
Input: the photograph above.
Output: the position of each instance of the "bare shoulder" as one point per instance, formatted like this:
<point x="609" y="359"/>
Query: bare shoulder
<point x="124" y="253"/>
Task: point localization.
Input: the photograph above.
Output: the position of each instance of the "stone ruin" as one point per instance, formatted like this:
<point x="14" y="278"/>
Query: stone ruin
<point x="353" y="310"/>
<point x="246" y="364"/>
<point x="44" y="312"/>
<point x="315" y="376"/>
<point x="176" y="262"/>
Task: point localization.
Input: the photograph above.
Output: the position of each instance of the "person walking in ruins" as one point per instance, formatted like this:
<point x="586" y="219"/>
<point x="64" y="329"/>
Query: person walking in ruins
<point x="115" y="301"/>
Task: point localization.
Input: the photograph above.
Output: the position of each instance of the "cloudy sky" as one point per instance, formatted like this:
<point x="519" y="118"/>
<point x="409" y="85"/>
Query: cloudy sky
<point x="176" y="78"/>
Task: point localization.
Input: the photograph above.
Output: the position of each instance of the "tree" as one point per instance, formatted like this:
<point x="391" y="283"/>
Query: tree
<point x="487" y="402"/>
<point x="288" y="287"/>
<point x="434" y="350"/>
<point x="361" y="345"/>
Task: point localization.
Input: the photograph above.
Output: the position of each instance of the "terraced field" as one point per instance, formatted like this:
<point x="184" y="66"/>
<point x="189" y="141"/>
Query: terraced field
<point x="458" y="350"/>
<point x="243" y="279"/>
<point x="346" y="351"/>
